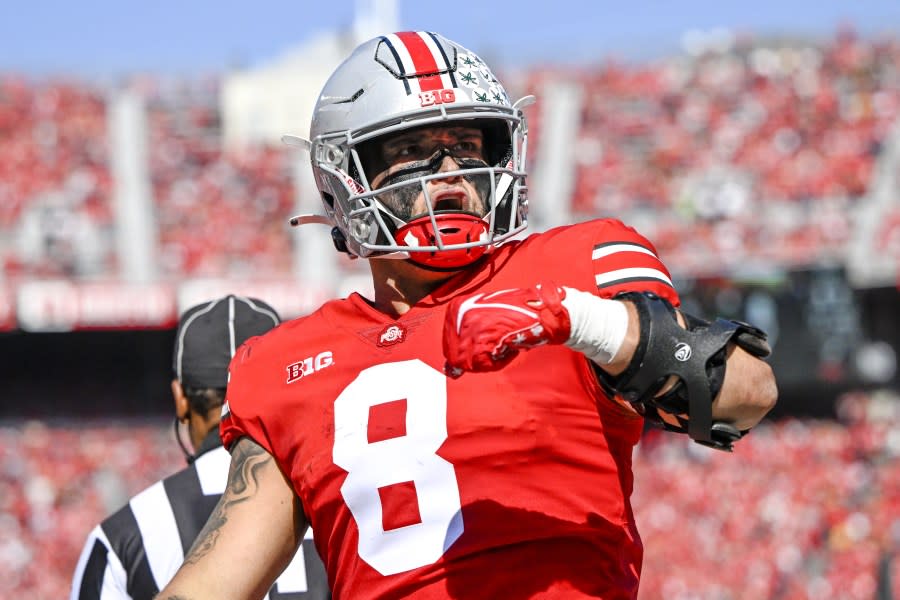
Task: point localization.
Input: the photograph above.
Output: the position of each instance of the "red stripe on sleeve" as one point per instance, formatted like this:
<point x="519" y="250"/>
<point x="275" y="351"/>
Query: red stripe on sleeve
<point x="423" y="61"/>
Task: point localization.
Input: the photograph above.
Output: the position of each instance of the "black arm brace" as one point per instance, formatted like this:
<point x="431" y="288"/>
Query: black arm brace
<point x="696" y="356"/>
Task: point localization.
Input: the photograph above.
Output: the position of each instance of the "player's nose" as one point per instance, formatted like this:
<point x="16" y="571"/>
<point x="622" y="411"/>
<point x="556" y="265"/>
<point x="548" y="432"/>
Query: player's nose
<point x="448" y="163"/>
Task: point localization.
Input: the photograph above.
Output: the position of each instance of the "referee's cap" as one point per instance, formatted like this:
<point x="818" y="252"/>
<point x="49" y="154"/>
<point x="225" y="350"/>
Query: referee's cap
<point x="209" y="333"/>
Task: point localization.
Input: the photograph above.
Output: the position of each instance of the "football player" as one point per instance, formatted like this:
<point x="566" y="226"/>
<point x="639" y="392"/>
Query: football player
<point x="467" y="432"/>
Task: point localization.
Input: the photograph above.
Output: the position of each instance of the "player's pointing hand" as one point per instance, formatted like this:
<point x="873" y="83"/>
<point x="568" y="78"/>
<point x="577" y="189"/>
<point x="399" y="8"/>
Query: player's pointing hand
<point x="485" y="331"/>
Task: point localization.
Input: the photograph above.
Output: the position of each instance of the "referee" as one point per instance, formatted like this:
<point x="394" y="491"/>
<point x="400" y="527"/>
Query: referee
<point x="136" y="551"/>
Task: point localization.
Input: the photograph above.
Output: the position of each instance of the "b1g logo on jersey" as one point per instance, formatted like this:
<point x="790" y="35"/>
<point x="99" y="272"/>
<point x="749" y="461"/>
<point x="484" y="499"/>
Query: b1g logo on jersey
<point x="308" y="366"/>
<point x="432" y="98"/>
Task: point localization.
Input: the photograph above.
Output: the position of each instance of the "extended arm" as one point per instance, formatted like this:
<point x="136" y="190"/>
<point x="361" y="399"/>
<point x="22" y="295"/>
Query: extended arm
<point x="695" y="377"/>
<point x="747" y="392"/>
<point x="673" y="367"/>
<point x="249" y="538"/>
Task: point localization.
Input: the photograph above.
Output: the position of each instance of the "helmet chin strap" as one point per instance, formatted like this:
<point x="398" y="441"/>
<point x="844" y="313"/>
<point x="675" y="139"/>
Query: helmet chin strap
<point x="452" y="228"/>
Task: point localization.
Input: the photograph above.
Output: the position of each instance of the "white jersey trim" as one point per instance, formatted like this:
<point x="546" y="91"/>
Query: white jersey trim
<point x="610" y="277"/>
<point x="617" y="248"/>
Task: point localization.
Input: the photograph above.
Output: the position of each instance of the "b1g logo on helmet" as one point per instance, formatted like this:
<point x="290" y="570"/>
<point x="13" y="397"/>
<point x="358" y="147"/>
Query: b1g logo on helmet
<point x="437" y="97"/>
<point x="308" y="366"/>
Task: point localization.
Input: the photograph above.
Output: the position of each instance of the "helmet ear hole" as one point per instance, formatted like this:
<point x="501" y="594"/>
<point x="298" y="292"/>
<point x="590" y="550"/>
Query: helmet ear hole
<point x="497" y="144"/>
<point x="339" y="241"/>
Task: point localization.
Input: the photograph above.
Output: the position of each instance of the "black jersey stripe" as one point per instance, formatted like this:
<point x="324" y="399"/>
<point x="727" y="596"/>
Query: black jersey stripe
<point x="92" y="575"/>
<point x="316" y="577"/>
<point x="622" y="243"/>
<point x="124" y="535"/>
<point x="625" y="280"/>
<point x="189" y="506"/>
<point x="176" y="503"/>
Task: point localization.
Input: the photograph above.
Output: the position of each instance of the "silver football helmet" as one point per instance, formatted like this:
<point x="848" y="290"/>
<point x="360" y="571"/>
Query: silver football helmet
<point x="399" y="82"/>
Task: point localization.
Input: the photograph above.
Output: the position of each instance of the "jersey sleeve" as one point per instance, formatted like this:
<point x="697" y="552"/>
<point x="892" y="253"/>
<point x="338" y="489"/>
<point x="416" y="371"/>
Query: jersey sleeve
<point x="245" y="399"/>
<point x="623" y="260"/>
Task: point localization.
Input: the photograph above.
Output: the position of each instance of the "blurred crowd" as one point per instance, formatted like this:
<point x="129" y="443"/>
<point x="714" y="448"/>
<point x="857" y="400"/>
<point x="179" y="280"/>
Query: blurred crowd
<point x="55" y="182"/>
<point x="803" y="509"/>
<point x="748" y="150"/>
<point x="217" y="212"/>
<point x="57" y="482"/>
<point x="220" y="213"/>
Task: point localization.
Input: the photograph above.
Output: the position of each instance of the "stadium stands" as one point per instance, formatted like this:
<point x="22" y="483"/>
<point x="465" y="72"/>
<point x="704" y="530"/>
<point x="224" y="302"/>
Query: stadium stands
<point x="217" y="212"/>
<point x="810" y="513"/>
<point x="55" y="210"/>
<point x="220" y="213"/>
<point x="761" y="151"/>
<point x="59" y="480"/>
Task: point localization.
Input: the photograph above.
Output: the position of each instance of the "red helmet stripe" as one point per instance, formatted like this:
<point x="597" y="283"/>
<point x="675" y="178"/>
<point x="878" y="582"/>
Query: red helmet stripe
<point x="425" y="65"/>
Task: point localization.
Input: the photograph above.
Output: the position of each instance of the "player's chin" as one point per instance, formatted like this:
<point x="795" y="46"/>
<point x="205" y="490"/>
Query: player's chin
<point x="474" y="202"/>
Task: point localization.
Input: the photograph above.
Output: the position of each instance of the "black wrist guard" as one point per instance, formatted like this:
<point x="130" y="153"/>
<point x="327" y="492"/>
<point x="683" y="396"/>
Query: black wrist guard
<point x="696" y="356"/>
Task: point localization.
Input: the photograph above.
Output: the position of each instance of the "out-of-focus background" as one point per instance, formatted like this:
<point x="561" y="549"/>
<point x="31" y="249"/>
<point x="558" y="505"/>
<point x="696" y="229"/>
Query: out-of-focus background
<point x="757" y="144"/>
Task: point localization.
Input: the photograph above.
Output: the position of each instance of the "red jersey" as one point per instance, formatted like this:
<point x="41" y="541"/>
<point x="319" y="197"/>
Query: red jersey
<point x="509" y="484"/>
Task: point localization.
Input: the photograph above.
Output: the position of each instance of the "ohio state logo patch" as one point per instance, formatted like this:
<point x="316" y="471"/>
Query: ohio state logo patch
<point x="392" y="334"/>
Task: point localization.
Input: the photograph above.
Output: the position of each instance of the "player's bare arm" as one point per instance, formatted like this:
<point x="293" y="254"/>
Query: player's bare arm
<point x="749" y="390"/>
<point x="243" y="483"/>
<point x="250" y="536"/>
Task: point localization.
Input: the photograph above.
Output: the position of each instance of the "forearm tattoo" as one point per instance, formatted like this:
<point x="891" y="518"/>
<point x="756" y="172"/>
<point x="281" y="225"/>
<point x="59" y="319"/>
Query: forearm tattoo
<point x="243" y="483"/>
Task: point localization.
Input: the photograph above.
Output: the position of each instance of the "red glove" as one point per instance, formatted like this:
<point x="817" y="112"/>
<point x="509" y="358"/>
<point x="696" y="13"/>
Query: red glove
<point x="484" y="332"/>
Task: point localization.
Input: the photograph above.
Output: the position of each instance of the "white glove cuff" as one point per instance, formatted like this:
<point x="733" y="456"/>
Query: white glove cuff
<point x="598" y="325"/>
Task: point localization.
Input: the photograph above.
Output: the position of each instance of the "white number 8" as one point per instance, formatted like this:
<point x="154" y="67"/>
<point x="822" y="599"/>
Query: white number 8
<point x="412" y="457"/>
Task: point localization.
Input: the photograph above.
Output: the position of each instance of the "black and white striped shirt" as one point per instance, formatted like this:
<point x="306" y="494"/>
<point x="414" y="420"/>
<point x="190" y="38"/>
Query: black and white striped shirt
<point x="135" y="552"/>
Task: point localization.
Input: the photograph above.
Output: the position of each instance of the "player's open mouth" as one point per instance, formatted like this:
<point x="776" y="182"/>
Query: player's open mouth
<point x="451" y="200"/>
